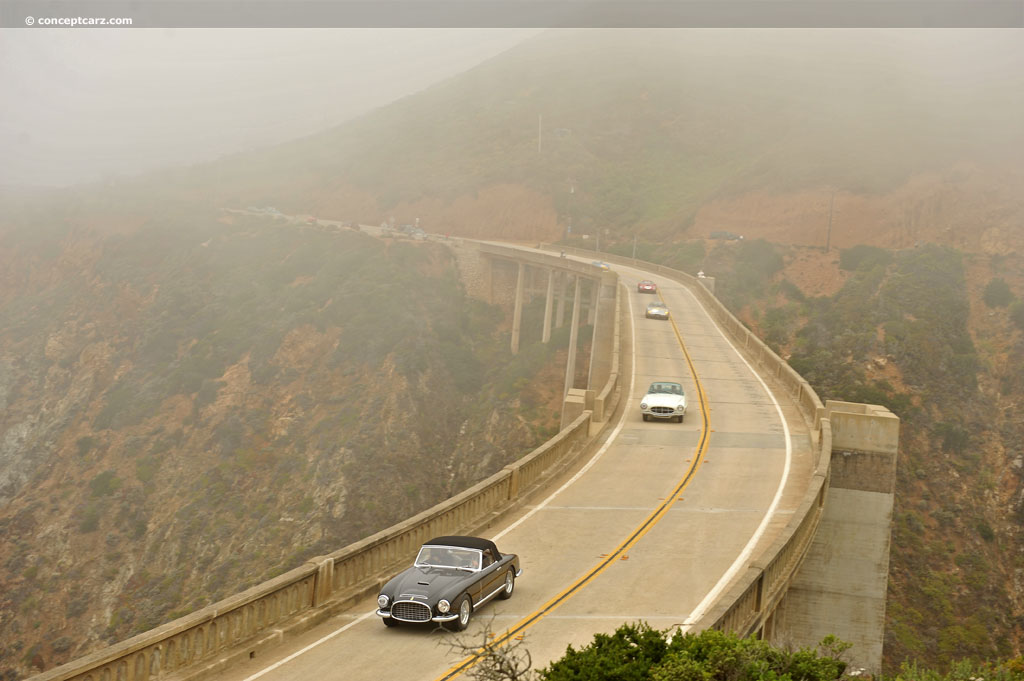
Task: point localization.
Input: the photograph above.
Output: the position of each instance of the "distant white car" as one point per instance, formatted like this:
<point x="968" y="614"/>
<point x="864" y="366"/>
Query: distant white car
<point x="664" y="400"/>
<point x="658" y="310"/>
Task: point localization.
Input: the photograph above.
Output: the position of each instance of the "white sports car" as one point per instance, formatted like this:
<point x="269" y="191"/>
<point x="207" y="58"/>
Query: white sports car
<point x="658" y="310"/>
<point x="664" y="400"/>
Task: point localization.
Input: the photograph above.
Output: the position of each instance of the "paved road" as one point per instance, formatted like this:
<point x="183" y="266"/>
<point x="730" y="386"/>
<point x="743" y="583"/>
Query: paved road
<point x="652" y="528"/>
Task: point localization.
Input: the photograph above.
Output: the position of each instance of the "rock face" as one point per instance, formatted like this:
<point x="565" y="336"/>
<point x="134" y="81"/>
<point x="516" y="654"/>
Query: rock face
<point x="198" y="406"/>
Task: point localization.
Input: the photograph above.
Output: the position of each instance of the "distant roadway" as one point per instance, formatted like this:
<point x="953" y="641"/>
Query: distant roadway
<point x="652" y="528"/>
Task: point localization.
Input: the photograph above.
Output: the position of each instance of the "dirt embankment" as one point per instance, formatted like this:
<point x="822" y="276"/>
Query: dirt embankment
<point x="971" y="208"/>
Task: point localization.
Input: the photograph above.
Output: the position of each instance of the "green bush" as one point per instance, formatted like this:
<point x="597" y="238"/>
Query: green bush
<point x="627" y="655"/>
<point x="998" y="293"/>
<point x="955" y="437"/>
<point x="757" y="261"/>
<point x="685" y="257"/>
<point x="791" y="291"/>
<point x="985" y="531"/>
<point x="104" y="484"/>
<point x="77" y="605"/>
<point x="89" y="518"/>
<point x="207" y="394"/>
<point x="778" y="324"/>
<point x="635" y="652"/>
<point x="864" y="257"/>
<point x="965" y="670"/>
<point x="146" y="468"/>
<point x="1017" y="314"/>
<point x="924" y="306"/>
<point x="85" y="445"/>
<point x="62" y="644"/>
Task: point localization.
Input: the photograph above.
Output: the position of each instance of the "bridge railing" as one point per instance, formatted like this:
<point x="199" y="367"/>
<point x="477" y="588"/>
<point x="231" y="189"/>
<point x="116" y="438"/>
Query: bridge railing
<point x="231" y="630"/>
<point x="747" y="605"/>
<point x="752" y="598"/>
<point x="606" y="400"/>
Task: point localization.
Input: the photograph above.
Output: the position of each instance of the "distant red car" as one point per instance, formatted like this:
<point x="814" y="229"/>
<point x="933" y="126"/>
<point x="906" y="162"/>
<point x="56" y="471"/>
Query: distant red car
<point x="647" y="286"/>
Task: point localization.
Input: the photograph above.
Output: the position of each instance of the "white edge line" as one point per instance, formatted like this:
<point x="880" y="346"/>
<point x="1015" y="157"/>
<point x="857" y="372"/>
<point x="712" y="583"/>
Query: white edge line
<point x="741" y="560"/>
<point x="604" y="447"/>
<point x="310" y="646"/>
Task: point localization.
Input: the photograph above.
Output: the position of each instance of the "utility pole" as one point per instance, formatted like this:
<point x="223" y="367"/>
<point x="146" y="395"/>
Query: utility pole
<point x="828" y="233"/>
<point x="572" y="195"/>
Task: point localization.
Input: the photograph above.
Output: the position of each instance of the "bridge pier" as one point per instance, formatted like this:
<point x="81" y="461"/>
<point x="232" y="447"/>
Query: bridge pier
<point x="602" y="316"/>
<point x="570" y="364"/>
<point x="841" y="586"/>
<point x="563" y="295"/>
<point x="517" y="307"/>
<point x="548" y="300"/>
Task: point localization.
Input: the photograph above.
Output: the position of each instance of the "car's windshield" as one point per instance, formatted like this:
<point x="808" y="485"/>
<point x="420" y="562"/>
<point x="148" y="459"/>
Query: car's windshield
<point x="449" y="556"/>
<point x="655" y="306"/>
<point x="670" y="388"/>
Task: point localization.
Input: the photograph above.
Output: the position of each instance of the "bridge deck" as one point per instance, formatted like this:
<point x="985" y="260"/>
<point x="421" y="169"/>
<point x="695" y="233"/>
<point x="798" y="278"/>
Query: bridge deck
<point x="676" y="511"/>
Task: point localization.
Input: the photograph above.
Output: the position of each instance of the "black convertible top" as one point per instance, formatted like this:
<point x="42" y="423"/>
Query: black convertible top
<point x="465" y="542"/>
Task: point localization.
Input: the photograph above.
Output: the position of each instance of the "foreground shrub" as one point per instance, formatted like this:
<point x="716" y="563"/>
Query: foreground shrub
<point x="966" y="670"/>
<point x="635" y="652"/>
<point x="997" y="293"/>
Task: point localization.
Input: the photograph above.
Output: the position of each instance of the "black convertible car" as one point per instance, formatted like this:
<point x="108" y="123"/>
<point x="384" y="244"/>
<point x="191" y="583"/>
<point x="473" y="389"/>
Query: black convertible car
<point x="452" y="577"/>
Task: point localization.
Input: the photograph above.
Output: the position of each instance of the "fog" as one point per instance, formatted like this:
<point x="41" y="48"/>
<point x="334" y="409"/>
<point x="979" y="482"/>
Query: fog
<point x="84" y="105"/>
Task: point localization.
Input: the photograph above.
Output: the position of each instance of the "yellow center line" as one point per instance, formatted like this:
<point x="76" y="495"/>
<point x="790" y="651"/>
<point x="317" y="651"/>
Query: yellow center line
<point x="628" y="543"/>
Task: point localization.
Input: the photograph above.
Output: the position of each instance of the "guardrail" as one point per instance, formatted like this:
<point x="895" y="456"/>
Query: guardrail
<point x="214" y="638"/>
<point x="745" y="608"/>
<point x="606" y="400"/>
<point x="749" y="602"/>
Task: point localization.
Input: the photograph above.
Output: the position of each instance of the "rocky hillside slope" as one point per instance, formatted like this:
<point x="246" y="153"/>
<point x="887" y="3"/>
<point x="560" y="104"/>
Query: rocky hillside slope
<point x="195" y="404"/>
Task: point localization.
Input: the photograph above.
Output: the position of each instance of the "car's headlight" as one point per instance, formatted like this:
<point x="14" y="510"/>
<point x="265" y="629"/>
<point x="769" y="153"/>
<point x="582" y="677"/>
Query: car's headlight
<point x="443" y="606"/>
<point x="383" y="600"/>
<point x="643" y="405"/>
<point x="680" y="407"/>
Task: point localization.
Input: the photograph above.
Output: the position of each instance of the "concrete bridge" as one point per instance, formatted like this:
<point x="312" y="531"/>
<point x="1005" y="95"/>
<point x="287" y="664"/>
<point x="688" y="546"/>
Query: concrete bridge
<point x="767" y="512"/>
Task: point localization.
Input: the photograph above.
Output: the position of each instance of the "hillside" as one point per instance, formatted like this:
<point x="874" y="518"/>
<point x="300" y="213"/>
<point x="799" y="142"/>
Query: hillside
<point x="196" y="404"/>
<point x="919" y="331"/>
<point x="660" y="132"/>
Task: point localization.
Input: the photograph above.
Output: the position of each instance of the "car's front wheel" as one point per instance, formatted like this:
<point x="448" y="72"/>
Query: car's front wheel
<point x="390" y="621"/>
<point x="510" y="584"/>
<point x="465" y="609"/>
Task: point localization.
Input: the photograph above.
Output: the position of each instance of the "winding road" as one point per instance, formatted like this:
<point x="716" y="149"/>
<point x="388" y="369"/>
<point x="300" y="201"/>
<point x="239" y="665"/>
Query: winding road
<point x="653" y="527"/>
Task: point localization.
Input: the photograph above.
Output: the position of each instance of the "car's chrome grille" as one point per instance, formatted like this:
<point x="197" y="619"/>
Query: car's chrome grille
<point x="410" y="611"/>
<point x="663" y="410"/>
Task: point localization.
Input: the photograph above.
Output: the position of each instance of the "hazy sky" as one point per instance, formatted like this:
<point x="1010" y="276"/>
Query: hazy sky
<point x="81" y="105"/>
